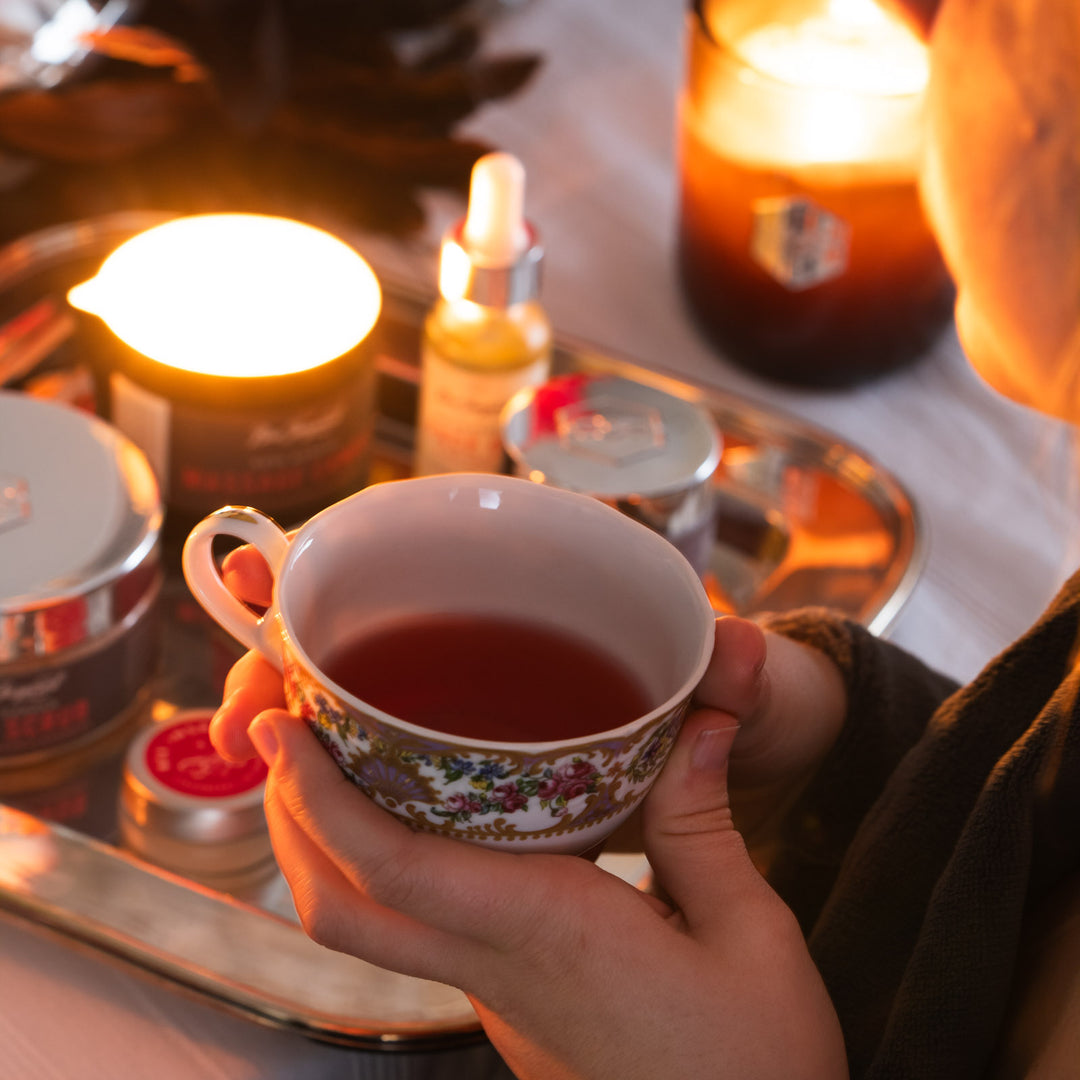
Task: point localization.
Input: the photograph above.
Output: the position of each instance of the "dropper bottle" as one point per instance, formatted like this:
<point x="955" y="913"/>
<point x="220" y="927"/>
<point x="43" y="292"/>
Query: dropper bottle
<point x="487" y="335"/>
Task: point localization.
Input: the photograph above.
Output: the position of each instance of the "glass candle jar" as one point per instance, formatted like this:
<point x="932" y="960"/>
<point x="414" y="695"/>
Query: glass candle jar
<point x="803" y="249"/>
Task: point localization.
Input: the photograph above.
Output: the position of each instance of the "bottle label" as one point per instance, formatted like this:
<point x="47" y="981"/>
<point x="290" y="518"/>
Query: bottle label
<point x="458" y="428"/>
<point x="292" y="455"/>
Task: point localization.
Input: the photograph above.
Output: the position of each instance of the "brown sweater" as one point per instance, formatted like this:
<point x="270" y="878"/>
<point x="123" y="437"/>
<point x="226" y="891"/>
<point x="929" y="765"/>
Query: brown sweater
<point x="921" y="860"/>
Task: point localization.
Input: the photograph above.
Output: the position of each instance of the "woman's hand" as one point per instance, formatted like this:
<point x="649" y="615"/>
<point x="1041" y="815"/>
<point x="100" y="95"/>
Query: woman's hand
<point x="573" y="972"/>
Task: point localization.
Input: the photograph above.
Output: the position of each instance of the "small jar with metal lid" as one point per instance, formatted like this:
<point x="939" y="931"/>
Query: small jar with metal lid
<point x="80" y="576"/>
<point x="185" y="808"/>
<point x="647" y="453"/>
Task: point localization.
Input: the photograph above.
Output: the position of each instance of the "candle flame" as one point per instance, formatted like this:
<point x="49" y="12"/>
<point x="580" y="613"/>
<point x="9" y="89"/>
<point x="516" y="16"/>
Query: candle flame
<point x="235" y="294"/>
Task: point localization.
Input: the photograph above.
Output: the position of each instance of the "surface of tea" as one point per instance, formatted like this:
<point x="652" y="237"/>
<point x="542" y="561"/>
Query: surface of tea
<point x="485" y="677"/>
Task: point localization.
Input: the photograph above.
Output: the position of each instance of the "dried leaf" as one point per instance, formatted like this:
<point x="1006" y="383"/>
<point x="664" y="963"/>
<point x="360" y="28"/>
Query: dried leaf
<point x="457" y="45"/>
<point x="371" y="16"/>
<point x="145" y="46"/>
<point x="384" y="100"/>
<point x="242" y="44"/>
<point x="332" y="189"/>
<point x="335" y="109"/>
<point x="431" y="159"/>
<point x="97" y="121"/>
<point x="418" y="100"/>
<point x="502" y="77"/>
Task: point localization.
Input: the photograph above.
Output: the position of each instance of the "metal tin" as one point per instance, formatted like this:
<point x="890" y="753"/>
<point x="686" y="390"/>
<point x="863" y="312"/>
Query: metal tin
<point x="185" y="808"/>
<point x="75" y="785"/>
<point x="80" y="573"/>
<point x="648" y="453"/>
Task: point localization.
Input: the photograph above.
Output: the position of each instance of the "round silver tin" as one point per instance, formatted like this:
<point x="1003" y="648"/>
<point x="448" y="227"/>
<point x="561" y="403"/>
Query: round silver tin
<point x="650" y="454"/>
<point x="186" y="809"/>
<point x="80" y="573"/>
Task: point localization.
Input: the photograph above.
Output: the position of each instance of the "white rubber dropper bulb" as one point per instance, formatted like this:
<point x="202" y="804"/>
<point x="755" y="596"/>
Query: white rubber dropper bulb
<point x="495" y="233"/>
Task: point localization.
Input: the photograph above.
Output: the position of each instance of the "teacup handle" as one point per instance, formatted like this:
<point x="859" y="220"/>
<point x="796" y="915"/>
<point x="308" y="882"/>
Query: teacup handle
<point x="260" y="633"/>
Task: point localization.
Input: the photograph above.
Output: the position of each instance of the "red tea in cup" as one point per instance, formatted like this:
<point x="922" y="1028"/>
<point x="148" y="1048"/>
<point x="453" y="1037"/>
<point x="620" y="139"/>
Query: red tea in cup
<point x="488" y="677"/>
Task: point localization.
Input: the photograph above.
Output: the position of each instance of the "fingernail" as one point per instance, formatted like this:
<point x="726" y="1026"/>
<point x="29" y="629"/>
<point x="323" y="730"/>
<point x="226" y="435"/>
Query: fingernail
<point x="263" y="739"/>
<point x="712" y="747"/>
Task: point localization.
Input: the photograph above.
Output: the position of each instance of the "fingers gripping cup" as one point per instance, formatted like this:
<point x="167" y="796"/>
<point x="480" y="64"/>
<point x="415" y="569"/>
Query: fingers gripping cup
<point x="487" y="658"/>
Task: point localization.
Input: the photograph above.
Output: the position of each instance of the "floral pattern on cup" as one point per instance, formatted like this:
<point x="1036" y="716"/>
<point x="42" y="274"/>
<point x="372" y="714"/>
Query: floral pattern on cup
<point x="440" y="784"/>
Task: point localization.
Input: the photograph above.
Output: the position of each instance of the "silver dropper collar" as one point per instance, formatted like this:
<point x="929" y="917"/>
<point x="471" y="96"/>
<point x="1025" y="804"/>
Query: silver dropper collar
<point x="491" y="285"/>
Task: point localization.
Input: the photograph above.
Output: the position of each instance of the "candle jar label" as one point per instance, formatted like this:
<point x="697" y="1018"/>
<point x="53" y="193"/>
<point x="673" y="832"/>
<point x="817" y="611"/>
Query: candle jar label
<point x="293" y="458"/>
<point x="797" y="242"/>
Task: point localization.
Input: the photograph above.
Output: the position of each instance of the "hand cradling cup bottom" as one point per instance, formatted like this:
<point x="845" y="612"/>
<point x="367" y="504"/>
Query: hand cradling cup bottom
<point x="487" y="658"/>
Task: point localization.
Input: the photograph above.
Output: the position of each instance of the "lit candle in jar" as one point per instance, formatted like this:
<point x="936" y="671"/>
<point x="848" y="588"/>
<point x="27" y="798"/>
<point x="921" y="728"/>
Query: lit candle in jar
<point x="803" y="247"/>
<point x="233" y="359"/>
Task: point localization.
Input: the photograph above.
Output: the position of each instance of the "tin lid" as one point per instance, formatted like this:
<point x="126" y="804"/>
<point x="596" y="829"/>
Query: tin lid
<point x="80" y="518"/>
<point x="177" y="788"/>
<point x="610" y="437"/>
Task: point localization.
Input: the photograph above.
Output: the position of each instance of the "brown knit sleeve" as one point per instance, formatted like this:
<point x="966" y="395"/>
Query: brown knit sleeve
<point x="891" y="697"/>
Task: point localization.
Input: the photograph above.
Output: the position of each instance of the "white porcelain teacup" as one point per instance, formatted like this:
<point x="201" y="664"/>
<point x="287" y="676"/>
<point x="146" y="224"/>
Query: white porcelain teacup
<point x="460" y="559"/>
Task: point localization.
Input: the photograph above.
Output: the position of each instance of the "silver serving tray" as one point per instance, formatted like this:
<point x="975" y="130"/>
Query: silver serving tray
<point x="804" y="519"/>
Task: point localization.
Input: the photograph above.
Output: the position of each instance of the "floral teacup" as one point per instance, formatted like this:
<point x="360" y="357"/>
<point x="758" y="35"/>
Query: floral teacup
<point x="469" y="544"/>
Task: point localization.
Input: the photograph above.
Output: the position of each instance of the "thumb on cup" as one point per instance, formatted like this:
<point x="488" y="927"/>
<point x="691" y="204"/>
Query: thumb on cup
<point x="699" y="858"/>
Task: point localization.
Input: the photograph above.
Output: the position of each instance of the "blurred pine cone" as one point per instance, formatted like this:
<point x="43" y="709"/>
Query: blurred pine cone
<point x="336" y="111"/>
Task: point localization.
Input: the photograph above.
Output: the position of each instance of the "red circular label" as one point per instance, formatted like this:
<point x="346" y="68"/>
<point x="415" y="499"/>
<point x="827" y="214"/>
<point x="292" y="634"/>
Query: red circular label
<point x="182" y="757"/>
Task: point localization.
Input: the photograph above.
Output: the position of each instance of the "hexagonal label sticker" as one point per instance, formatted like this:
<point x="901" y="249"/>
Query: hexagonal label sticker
<point x="611" y="431"/>
<point x="797" y="242"/>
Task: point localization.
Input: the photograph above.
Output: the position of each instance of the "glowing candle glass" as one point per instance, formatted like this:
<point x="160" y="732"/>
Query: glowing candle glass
<point x="234" y="361"/>
<point x="803" y="249"/>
